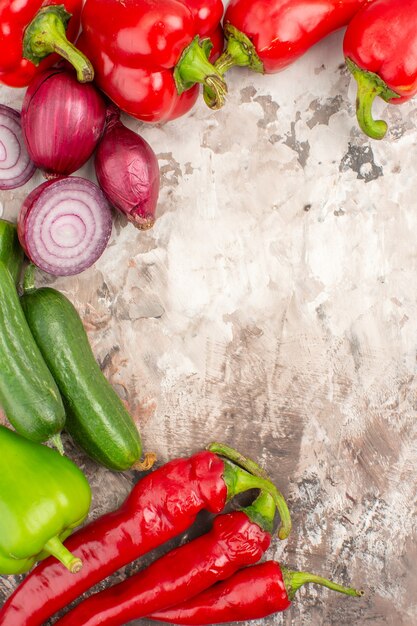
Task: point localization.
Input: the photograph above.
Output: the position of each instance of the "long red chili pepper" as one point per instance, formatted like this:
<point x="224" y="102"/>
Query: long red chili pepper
<point x="268" y="35"/>
<point x="161" y="505"/>
<point x="380" y="47"/>
<point x="235" y="540"/>
<point x="30" y="30"/>
<point x="252" y="593"/>
<point x="151" y="55"/>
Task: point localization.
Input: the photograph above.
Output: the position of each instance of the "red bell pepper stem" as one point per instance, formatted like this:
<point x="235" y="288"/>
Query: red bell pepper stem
<point x="194" y="67"/>
<point x="370" y="86"/>
<point x="252" y="593"/>
<point x="46" y="34"/>
<point x="236" y="539"/>
<point x="161" y="505"/>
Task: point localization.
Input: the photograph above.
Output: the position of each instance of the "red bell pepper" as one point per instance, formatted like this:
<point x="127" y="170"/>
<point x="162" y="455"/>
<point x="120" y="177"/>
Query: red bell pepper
<point x="268" y="35"/>
<point x="149" y="57"/>
<point x="235" y="540"/>
<point x="380" y="48"/>
<point x="252" y="593"/>
<point x="161" y="505"/>
<point x="30" y="31"/>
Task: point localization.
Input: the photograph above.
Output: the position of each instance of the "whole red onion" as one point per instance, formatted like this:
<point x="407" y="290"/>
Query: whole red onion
<point x="62" y="121"/>
<point x="128" y="172"/>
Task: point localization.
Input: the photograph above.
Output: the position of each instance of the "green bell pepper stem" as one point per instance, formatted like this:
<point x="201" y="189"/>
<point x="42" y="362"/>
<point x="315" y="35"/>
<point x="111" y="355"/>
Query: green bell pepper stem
<point x="294" y="580"/>
<point x="370" y="86"/>
<point x="56" y="548"/>
<point x="46" y="34"/>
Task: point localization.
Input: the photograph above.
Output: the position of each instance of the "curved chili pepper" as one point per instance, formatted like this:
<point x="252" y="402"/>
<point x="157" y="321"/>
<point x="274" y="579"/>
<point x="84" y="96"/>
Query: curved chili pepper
<point x="162" y="505"/>
<point x="268" y="35"/>
<point x="252" y="593"/>
<point x="235" y="540"/>
<point x="150" y="54"/>
<point x="380" y="47"/>
<point x="30" y="30"/>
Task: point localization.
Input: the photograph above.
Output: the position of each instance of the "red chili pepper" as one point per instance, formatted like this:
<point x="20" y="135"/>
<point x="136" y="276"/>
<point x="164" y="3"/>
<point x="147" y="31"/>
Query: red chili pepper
<point x="268" y="35"/>
<point x="30" y="30"/>
<point x="252" y="593"/>
<point x="235" y="540"/>
<point x="148" y="58"/>
<point x="380" y="47"/>
<point x="161" y="505"/>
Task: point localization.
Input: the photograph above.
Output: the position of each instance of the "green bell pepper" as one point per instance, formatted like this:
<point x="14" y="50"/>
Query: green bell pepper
<point x="43" y="497"/>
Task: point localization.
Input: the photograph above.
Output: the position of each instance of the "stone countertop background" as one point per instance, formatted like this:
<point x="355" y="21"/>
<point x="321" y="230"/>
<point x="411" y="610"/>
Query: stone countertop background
<point x="273" y="307"/>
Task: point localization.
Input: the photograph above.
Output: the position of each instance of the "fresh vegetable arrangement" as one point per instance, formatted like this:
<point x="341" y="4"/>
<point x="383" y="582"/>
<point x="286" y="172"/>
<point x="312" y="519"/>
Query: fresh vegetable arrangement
<point x="161" y="506"/>
<point x="149" y="61"/>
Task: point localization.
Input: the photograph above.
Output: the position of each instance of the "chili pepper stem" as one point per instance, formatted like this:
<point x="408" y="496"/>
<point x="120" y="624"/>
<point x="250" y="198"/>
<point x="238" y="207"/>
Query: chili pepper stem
<point x="46" y="34"/>
<point x="262" y="511"/>
<point x="294" y="580"/>
<point x="56" y="548"/>
<point x="194" y="67"/>
<point x="370" y="86"/>
<point x="238" y="481"/>
<point x="233" y="455"/>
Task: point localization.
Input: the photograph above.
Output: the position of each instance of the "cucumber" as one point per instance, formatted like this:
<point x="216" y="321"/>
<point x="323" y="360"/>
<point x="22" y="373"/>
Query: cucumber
<point x="28" y="393"/>
<point x="97" y="419"/>
<point x="11" y="252"/>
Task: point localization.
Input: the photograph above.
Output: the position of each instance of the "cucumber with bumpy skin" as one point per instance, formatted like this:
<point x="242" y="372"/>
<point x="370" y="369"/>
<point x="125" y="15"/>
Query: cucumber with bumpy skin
<point x="97" y="419"/>
<point x="28" y="393"/>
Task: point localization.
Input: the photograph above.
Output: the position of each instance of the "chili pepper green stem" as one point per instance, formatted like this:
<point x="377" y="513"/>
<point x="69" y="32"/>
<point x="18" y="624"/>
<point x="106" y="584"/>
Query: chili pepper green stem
<point x="56" y="548"/>
<point x="370" y="86"/>
<point x="294" y="580"/>
<point x="233" y="455"/>
<point x="262" y="511"/>
<point x="194" y="67"/>
<point x="46" y="34"/>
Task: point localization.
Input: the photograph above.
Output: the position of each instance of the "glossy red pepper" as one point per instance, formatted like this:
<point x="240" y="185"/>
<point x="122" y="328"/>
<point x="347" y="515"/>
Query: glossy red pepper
<point x="268" y="35"/>
<point x="149" y="57"/>
<point x="235" y="540"/>
<point x="161" y="505"/>
<point x="252" y="593"/>
<point x="380" y="48"/>
<point x="30" y="31"/>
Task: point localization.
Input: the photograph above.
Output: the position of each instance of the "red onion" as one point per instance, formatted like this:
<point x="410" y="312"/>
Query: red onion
<point x="62" y="121"/>
<point x="16" y="168"/>
<point x="64" y="225"/>
<point x="128" y="172"/>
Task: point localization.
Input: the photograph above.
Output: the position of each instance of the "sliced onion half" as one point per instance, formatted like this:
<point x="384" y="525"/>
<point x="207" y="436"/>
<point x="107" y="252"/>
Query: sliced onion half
<point x="16" y="168"/>
<point x="64" y="225"/>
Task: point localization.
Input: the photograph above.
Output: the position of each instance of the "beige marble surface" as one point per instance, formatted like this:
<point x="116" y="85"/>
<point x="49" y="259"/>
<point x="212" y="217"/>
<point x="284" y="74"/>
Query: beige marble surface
<point x="273" y="306"/>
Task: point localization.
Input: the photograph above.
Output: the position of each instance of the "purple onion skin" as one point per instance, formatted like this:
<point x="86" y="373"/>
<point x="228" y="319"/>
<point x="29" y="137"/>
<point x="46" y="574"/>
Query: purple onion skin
<point x="62" y="121"/>
<point x="127" y="171"/>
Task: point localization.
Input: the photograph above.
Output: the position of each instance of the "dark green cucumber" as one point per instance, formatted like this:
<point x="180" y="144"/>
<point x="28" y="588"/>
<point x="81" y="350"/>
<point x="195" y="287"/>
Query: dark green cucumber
<point x="28" y="393"/>
<point x="97" y="419"/>
<point x="11" y="253"/>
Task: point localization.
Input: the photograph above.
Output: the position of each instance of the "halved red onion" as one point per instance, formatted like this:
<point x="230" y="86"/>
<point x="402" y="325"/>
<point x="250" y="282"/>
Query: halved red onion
<point x="16" y="168"/>
<point x="127" y="171"/>
<point x="64" y="225"/>
<point x="62" y="121"/>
